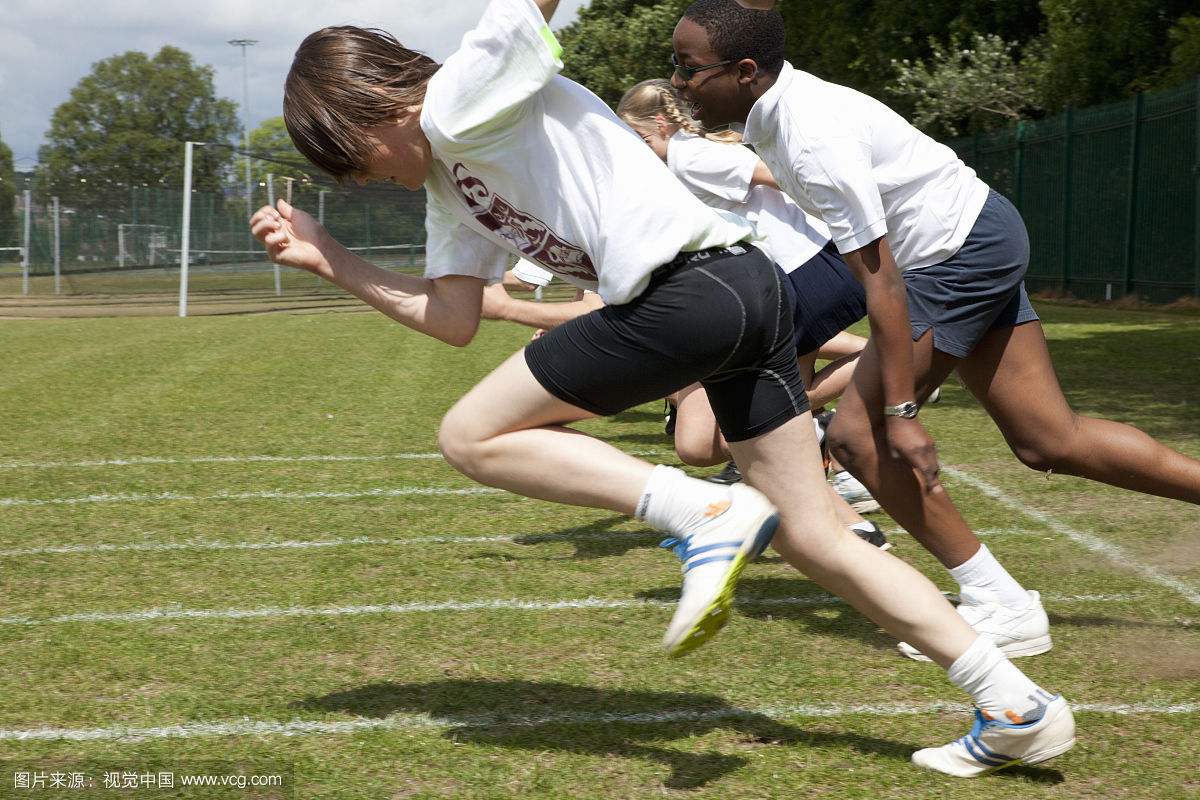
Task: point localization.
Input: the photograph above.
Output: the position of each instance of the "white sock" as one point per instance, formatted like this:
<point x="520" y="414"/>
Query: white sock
<point x="675" y="503"/>
<point x="1000" y="690"/>
<point x="982" y="579"/>
<point x="866" y="526"/>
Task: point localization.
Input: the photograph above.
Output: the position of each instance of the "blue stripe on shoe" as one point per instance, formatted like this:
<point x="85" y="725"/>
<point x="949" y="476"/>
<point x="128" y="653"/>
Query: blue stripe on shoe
<point x="988" y="752"/>
<point x="693" y="564"/>
<point x="695" y="551"/>
<point x="980" y="753"/>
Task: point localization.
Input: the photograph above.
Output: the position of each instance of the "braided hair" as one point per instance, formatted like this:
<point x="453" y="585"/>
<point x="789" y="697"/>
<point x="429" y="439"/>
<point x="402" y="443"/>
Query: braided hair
<point x="646" y="101"/>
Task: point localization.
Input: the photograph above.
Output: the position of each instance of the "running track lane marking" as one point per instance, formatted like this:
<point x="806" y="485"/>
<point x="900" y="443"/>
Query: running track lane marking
<point x="1087" y="540"/>
<point x="134" y="461"/>
<point x="275" y="612"/>
<point x="417" y="722"/>
<point x="309" y="544"/>
<point x="165" y="497"/>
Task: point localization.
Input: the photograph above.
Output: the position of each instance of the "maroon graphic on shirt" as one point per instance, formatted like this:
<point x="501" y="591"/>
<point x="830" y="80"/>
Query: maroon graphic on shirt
<point x="528" y="234"/>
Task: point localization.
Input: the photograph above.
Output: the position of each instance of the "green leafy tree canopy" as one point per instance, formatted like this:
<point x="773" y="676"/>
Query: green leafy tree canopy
<point x="8" y="192"/>
<point x="125" y="123"/>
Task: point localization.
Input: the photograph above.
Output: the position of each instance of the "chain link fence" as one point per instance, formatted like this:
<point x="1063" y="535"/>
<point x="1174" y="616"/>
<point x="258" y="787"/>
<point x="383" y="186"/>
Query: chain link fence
<point x="1110" y="194"/>
<point x="132" y="245"/>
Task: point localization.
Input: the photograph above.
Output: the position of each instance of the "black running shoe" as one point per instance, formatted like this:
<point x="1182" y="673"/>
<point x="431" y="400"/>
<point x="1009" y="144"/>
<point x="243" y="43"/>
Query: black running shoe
<point x="871" y="533"/>
<point x="731" y="474"/>
<point x="822" y="421"/>
<point x="671" y="411"/>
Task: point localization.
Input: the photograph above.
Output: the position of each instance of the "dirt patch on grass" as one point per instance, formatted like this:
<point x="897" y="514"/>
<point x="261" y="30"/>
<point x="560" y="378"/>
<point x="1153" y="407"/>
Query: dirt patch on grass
<point x="1162" y="656"/>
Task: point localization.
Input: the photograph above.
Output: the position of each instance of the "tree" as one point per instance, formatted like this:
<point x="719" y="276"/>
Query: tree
<point x="617" y="43"/>
<point x="272" y="153"/>
<point x="1101" y="50"/>
<point x="969" y="89"/>
<point x="8" y="191"/>
<point x="1185" y="51"/>
<point x="125" y="124"/>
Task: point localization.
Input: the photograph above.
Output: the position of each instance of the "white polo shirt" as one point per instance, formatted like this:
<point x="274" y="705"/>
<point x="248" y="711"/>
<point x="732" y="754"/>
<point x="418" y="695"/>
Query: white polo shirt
<point x="531" y="164"/>
<point x="863" y="169"/>
<point x="721" y="175"/>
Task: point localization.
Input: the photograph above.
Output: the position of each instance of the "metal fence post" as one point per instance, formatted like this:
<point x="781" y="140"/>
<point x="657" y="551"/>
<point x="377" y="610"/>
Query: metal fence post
<point x="1196" y="173"/>
<point x="1066" y="221"/>
<point x="57" y="247"/>
<point x="27" y="254"/>
<point x="1131" y="203"/>
<point x="1019" y="164"/>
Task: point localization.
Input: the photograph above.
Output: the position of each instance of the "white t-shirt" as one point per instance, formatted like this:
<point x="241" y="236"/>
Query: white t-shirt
<point x="852" y="161"/>
<point x="720" y="175"/>
<point x="532" y="164"/>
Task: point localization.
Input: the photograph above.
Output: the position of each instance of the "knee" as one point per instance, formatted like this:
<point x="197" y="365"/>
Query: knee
<point x="697" y="454"/>
<point x="849" y="444"/>
<point x="1048" y="450"/>
<point x="461" y="446"/>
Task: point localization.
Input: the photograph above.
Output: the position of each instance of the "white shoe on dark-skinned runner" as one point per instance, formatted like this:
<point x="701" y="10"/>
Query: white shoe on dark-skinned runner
<point x="714" y="555"/>
<point x="1017" y="633"/>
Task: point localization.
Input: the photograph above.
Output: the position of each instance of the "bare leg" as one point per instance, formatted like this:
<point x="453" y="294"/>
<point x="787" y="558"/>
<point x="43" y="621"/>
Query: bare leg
<point x="507" y="432"/>
<point x="844" y="344"/>
<point x="858" y="441"/>
<point x="785" y="465"/>
<point x="698" y="439"/>
<point x="831" y="381"/>
<point x="1047" y="435"/>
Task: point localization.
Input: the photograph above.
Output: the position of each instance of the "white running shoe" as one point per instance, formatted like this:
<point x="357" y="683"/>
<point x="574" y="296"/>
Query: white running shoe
<point x="853" y="492"/>
<point x="714" y="555"/>
<point x="1016" y="633"/>
<point x="993" y="745"/>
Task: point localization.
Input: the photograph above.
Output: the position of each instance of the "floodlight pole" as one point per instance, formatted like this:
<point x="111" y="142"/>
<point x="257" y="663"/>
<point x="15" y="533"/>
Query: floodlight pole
<point x="186" y="230"/>
<point x="244" y="43"/>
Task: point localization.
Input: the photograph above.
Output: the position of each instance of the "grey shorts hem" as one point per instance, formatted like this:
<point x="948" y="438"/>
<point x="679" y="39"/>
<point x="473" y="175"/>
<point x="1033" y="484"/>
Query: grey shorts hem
<point x="944" y="343"/>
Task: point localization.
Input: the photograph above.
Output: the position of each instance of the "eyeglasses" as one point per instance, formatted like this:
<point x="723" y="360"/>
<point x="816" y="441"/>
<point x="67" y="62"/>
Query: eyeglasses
<point x="687" y="73"/>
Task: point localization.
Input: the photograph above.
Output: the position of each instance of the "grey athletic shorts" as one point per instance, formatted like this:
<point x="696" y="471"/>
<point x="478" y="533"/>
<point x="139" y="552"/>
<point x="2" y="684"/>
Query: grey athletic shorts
<point x="979" y="288"/>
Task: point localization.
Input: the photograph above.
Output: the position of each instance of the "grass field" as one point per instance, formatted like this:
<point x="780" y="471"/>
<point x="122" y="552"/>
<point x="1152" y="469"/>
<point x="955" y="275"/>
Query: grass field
<point x="226" y="544"/>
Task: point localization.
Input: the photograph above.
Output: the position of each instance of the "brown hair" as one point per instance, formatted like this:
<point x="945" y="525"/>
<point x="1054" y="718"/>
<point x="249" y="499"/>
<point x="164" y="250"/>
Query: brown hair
<point x="647" y="100"/>
<point x="344" y="80"/>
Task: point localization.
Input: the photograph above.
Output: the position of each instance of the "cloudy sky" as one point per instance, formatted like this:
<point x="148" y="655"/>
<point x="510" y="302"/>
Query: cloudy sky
<point x="46" y="46"/>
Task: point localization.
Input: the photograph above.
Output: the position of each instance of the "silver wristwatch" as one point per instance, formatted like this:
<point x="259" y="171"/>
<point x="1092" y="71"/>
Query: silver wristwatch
<point x="908" y="410"/>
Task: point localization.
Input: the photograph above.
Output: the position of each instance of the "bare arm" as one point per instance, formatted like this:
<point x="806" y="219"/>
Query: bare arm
<point x="445" y="308"/>
<point x="511" y="281"/>
<point x="887" y="310"/>
<point x="547" y="7"/>
<point x="762" y="177"/>
<point x="497" y="304"/>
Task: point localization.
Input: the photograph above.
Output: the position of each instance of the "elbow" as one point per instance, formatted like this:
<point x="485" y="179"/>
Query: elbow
<point x="461" y="335"/>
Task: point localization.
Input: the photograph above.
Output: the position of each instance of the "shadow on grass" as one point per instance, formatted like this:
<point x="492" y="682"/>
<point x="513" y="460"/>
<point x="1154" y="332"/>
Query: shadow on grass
<point x="1094" y="621"/>
<point x="798" y="600"/>
<point x="598" y="539"/>
<point x="540" y="716"/>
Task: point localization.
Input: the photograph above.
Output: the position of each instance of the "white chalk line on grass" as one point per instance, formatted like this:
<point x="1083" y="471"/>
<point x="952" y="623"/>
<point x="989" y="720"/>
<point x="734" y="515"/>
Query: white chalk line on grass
<point x="371" y="541"/>
<point x="276" y="612"/>
<point x="419" y="722"/>
<point x="309" y="544"/>
<point x="165" y="497"/>
<point x="134" y="461"/>
<point x="1089" y="541"/>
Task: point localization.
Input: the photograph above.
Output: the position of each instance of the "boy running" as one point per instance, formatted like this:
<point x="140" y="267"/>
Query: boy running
<point x="942" y="258"/>
<point x="518" y="161"/>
